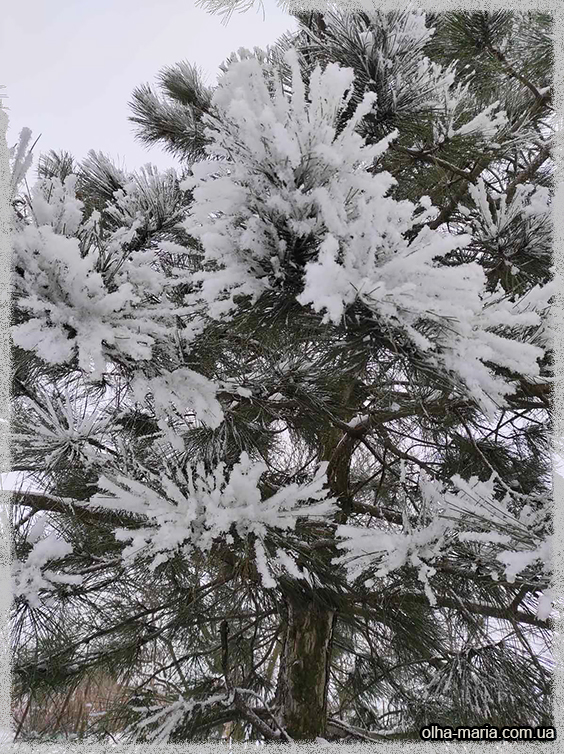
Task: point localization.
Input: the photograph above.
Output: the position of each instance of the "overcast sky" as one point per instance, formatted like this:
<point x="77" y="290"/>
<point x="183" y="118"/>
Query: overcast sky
<point x="69" y="66"/>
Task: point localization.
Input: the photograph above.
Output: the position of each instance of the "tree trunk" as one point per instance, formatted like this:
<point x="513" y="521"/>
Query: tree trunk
<point x="305" y="670"/>
<point x="304" y="667"/>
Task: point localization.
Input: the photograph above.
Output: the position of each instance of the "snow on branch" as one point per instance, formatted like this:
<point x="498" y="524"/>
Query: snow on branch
<point x="513" y="544"/>
<point x="195" y="509"/>
<point x="285" y="196"/>
<point x="36" y="576"/>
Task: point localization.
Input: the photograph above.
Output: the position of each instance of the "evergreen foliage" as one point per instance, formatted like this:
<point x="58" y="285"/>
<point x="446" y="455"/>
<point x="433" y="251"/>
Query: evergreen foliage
<point x="300" y="389"/>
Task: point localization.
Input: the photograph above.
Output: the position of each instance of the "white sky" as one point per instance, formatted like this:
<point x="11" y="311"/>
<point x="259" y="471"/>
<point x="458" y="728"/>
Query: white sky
<point x="69" y="66"/>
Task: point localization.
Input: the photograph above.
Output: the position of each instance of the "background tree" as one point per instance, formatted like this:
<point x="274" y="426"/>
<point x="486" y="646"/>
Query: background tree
<point x="290" y="409"/>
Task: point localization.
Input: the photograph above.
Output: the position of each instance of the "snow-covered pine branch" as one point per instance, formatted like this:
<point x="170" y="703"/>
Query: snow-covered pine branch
<point x="288" y="195"/>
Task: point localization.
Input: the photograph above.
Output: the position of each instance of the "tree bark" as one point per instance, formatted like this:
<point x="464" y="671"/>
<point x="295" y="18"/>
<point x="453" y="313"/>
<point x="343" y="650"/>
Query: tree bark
<point x="306" y="661"/>
<point x="305" y="669"/>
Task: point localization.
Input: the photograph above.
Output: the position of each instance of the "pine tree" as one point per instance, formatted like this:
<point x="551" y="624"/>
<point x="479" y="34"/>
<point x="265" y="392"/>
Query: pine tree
<point x="289" y="410"/>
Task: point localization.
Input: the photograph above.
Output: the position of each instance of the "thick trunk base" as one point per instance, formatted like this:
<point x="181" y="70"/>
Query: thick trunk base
<point x="305" y="670"/>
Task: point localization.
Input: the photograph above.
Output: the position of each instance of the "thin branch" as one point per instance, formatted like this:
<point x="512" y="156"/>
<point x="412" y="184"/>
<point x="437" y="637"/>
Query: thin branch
<point x="525" y="175"/>
<point x="236" y="695"/>
<point x="508" y="68"/>
<point x="489" y="611"/>
<point x="197" y="594"/>
<point x="85" y="513"/>
<point x="432" y="160"/>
